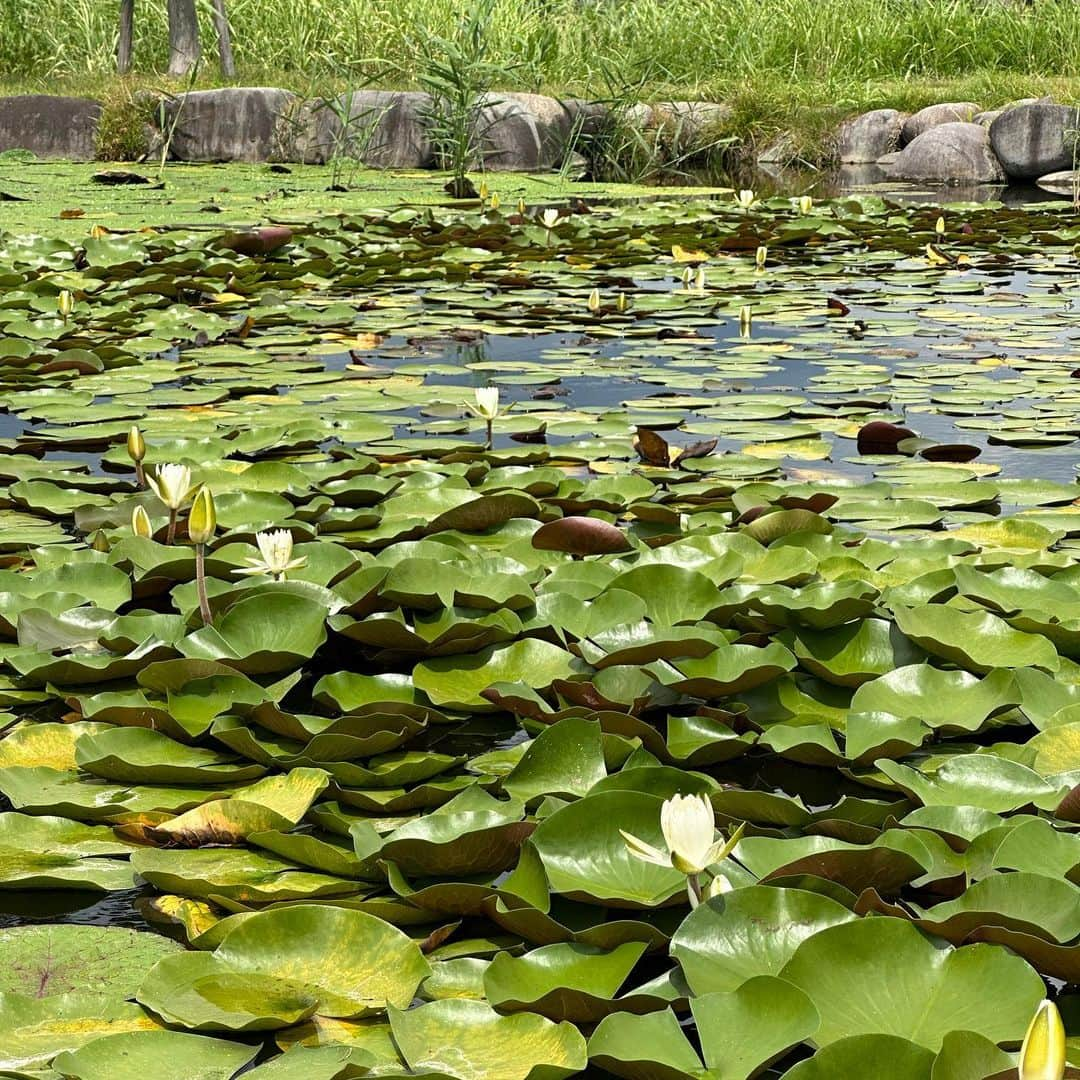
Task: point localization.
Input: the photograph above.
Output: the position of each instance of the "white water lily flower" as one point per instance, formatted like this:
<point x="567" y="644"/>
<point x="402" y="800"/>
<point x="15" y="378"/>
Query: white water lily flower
<point x="806" y="204"/>
<point x="486" y="405"/>
<point x="688" y="825"/>
<point x="1042" y="1057"/>
<point x="172" y="485"/>
<point x="549" y="219"/>
<point x="275" y="551"/>
<point x="745" y="198"/>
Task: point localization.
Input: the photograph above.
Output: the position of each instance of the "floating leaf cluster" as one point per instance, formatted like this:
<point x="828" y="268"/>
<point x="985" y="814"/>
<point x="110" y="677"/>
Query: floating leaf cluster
<point x="501" y="551"/>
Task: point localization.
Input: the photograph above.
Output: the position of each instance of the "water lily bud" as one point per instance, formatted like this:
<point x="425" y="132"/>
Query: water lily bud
<point x="939" y="228"/>
<point x="98" y="232"/>
<point x="621" y="304"/>
<point x="593" y="302"/>
<point x="806" y="204"/>
<point x="65" y="303"/>
<point x="717" y="887"/>
<point x="202" y="522"/>
<point x="521" y="205"/>
<point x="100" y="542"/>
<point x="687" y="277"/>
<point x="1042" y="1057"/>
<point x="172" y="485"/>
<point x="745" y="198"/>
<point x="140" y="523"/>
<point x="549" y="219"/>
<point x="483" y="189"/>
<point x="700" y="280"/>
<point x="136" y="445"/>
<point x="494" y="203"/>
<point x="760" y="257"/>
<point x="746" y="319"/>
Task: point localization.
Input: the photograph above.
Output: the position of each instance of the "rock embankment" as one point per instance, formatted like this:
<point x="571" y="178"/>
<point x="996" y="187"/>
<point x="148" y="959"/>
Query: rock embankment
<point x="951" y="142"/>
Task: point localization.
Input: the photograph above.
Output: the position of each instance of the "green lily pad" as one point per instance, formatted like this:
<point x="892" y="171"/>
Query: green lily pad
<point x="282" y="966"/>
<point x="468" y="1040"/>
<point x="170" y="1055"/>
<point x="934" y="990"/>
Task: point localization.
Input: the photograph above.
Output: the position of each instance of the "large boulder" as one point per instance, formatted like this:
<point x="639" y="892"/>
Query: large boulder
<point x="234" y="124"/>
<point x="1036" y="139"/>
<point x="387" y="129"/>
<point x="953" y="153"/>
<point x="870" y="136"/>
<point x="950" y="112"/>
<point x="535" y="132"/>
<point x="50" y="127"/>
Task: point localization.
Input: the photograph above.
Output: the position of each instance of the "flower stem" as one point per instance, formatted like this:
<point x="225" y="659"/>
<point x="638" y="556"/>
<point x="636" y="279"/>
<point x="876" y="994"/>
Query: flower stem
<point x="693" y="889"/>
<point x="171" y="536"/>
<point x="200" y="584"/>
<point x="140" y="474"/>
<point x="490" y="425"/>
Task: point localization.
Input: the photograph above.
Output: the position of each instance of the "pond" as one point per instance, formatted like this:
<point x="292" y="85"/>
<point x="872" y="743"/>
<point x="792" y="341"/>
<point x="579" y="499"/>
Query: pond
<point x="500" y="642"/>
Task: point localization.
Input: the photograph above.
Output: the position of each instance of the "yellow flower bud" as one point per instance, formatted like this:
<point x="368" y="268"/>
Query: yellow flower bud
<point x="202" y="521"/>
<point x="140" y="523"/>
<point x="593" y="302"/>
<point x="760" y="257"/>
<point x="65" y="303"/>
<point x="1042" y="1057"/>
<point x="136" y="444"/>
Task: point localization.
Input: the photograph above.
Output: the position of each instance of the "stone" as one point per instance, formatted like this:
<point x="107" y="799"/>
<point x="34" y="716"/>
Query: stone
<point x="957" y="153"/>
<point x="781" y="151"/>
<point x="687" y="123"/>
<point x="386" y="129"/>
<point x="950" y="112"/>
<point x="1065" y="182"/>
<point x="988" y="117"/>
<point x="869" y="137"/>
<point x="234" y="124"/>
<point x="1036" y="139"/>
<point x="50" y="127"/>
<point x="533" y="132"/>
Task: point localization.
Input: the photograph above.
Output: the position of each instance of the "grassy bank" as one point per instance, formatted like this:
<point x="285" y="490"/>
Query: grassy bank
<point x="796" y="64"/>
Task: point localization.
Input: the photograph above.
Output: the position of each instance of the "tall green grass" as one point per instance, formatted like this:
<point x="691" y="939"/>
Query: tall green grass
<point x="691" y="44"/>
<point x="795" y="65"/>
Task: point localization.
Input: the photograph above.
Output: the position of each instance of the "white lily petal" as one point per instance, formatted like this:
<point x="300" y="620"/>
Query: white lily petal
<point x="646" y="852"/>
